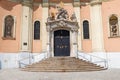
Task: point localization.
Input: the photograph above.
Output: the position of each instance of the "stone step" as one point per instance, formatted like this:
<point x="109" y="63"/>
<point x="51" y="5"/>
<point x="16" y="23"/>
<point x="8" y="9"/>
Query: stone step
<point x="64" y="64"/>
<point x="62" y="70"/>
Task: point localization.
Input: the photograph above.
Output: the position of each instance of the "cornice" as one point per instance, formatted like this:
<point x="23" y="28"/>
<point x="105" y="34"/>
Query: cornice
<point x="76" y="4"/>
<point x="95" y="2"/>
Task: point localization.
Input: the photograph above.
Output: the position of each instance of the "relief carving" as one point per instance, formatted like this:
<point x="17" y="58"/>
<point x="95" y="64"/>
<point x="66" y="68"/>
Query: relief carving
<point x="62" y="14"/>
<point x="73" y="17"/>
<point x="61" y="19"/>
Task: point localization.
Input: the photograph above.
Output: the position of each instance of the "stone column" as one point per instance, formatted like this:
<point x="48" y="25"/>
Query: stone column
<point x="74" y="43"/>
<point x="96" y="25"/>
<point x="77" y="13"/>
<point x="26" y="28"/>
<point x="44" y="31"/>
<point x="48" y="45"/>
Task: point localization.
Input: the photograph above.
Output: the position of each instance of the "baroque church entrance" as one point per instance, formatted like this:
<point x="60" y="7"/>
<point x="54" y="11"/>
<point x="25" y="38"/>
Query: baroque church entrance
<point x="62" y="30"/>
<point x="61" y="43"/>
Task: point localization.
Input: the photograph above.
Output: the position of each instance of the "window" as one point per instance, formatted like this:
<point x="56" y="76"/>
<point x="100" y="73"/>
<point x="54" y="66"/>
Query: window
<point x="85" y="29"/>
<point x="8" y="30"/>
<point x="36" y="30"/>
<point x="113" y="22"/>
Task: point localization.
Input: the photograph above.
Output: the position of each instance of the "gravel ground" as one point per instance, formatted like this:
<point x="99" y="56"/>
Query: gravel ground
<point x="16" y="74"/>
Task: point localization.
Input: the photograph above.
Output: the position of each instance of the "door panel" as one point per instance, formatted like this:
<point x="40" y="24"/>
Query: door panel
<point x="61" y="43"/>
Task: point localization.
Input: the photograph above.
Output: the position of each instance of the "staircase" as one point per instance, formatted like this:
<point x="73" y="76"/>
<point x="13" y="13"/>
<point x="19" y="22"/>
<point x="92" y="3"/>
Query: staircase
<point x="62" y="64"/>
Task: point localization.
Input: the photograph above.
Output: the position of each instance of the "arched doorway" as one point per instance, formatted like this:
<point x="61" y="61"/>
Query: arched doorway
<point x="61" y="43"/>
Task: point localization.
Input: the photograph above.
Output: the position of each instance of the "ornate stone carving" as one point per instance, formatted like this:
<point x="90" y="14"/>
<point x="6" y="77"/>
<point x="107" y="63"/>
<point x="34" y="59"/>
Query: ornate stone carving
<point x="62" y="24"/>
<point x="73" y="17"/>
<point x="62" y="14"/>
<point x="61" y="20"/>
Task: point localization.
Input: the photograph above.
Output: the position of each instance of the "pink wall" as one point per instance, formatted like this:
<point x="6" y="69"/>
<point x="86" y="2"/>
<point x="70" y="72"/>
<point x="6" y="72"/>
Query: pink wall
<point x="14" y="9"/>
<point x="37" y="15"/>
<point x="108" y="8"/>
<point x="85" y="15"/>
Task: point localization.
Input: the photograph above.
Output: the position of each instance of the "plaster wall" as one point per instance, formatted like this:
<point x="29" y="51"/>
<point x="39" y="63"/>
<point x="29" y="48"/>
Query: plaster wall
<point x="109" y="8"/>
<point x="14" y="9"/>
<point x="85" y="15"/>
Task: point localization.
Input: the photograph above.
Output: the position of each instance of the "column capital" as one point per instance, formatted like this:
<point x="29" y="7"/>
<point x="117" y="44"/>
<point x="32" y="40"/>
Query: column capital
<point x="23" y="2"/>
<point x="95" y="2"/>
<point x="76" y="3"/>
<point x="45" y="3"/>
<point x="27" y="2"/>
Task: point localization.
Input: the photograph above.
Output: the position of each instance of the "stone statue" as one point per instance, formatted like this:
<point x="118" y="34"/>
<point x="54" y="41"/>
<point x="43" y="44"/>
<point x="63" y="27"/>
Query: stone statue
<point x="62" y="14"/>
<point x="73" y="17"/>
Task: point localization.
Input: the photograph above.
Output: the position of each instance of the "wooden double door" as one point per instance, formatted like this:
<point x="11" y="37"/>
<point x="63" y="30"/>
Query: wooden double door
<point x="61" y="43"/>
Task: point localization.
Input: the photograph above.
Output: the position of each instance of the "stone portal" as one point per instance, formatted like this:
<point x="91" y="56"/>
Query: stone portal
<point x="62" y="34"/>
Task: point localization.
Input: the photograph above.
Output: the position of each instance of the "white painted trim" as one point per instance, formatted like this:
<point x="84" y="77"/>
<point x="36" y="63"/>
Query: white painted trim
<point x="44" y="35"/>
<point x="78" y="14"/>
<point x="96" y="28"/>
<point x="26" y="28"/>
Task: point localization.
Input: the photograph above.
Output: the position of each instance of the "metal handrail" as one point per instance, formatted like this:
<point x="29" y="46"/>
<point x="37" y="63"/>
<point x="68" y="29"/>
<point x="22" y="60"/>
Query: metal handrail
<point x="27" y="58"/>
<point x="105" y="61"/>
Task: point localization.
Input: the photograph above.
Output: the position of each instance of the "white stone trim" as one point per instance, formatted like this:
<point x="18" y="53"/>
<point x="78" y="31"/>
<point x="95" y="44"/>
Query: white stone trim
<point x="44" y="35"/>
<point x="97" y="28"/>
<point x="26" y="28"/>
<point x="77" y="14"/>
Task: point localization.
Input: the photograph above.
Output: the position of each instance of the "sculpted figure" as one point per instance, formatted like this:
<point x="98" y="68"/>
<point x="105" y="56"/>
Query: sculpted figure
<point x="73" y="17"/>
<point x="62" y="14"/>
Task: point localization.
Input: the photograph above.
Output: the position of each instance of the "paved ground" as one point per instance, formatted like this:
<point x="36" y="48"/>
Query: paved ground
<point x="16" y="74"/>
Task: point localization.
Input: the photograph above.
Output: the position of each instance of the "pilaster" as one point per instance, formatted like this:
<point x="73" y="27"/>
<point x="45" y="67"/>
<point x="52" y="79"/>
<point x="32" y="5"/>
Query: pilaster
<point x="44" y="31"/>
<point x="26" y="28"/>
<point x="96" y="25"/>
<point x="74" y="46"/>
<point x="76" y="5"/>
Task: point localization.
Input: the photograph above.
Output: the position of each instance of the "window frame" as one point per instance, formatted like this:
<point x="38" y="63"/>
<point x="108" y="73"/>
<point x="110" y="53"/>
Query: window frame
<point x="34" y="30"/>
<point x="88" y="30"/>
<point x="109" y="27"/>
<point x="14" y="28"/>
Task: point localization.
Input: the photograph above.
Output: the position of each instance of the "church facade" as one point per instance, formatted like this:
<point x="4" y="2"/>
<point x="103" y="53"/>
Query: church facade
<point x="50" y="28"/>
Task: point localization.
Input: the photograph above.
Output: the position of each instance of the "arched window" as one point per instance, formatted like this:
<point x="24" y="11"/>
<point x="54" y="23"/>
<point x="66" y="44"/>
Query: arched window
<point x="8" y="27"/>
<point x="85" y="29"/>
<point x="36" y="30"/>
<point x="113" y="22"/>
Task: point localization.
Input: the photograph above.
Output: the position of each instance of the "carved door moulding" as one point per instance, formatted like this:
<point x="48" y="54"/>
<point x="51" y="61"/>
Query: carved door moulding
<point x="62" y="20"/>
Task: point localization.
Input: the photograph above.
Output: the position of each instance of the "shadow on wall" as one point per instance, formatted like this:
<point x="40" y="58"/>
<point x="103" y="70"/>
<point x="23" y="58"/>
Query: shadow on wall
<point x="7" y="4"/>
